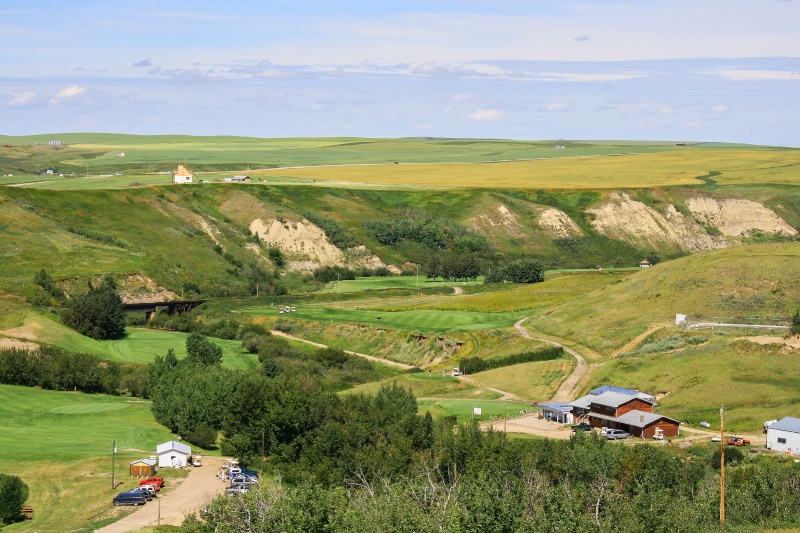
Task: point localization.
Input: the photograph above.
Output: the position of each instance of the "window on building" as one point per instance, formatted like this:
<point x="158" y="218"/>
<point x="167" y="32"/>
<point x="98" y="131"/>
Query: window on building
<point x="781" y="440"/>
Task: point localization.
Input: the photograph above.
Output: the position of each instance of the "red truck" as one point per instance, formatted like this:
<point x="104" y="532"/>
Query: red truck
<point x="738" y="441"/>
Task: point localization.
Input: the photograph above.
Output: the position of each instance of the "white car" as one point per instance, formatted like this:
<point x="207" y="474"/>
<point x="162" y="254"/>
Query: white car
<point x="716" y="439"/>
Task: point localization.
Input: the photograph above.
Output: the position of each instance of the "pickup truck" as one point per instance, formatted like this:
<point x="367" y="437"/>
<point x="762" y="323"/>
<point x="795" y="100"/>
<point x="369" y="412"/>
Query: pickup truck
<point x="738" y="441"/>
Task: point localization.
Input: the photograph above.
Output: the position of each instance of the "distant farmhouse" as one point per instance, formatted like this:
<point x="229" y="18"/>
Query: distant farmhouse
<point x="239" y="179"/>
<point x="625" y="409"/>
<point x="182" y="175"/>
<point x="53" y="143"/>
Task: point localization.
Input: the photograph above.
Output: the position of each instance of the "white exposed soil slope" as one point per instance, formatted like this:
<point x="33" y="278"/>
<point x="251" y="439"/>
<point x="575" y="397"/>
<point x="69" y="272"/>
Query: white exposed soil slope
<point x="500" y="218"/>
<point x="623" y="218"/>
<point x="737" y="217"/>
<point x="557" y="224"/>
<point x="307" y="247"/>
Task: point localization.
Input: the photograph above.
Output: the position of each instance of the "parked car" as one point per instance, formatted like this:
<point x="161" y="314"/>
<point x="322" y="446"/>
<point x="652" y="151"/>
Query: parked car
<point x="148" y="494"/>
<point x="249" y="473"/>
<point x="150" y="483"/>
<point x="738" y="441"/>
<point x="716" y="439"/>
<point x="130" y="498"/>
<point x="583" y="426"/>
<point x="153" y="480"/>
<point x="244" y="480"/>
<point x="234" y="489"/>
<point x="615" y="434"/>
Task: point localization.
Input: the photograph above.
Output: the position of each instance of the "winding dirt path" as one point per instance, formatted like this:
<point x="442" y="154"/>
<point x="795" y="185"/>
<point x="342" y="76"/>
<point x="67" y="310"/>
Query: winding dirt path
<point x="564" y="391"/>
<point x="365" y="356"/>
<point x="503" y="394"/>
<point x="635" y="342"/>
<point x="186" y="497"/>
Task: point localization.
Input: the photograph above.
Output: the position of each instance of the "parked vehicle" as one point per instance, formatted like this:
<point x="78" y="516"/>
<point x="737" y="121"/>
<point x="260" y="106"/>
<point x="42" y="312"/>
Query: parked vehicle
<point x="244" y="480"/>
<point x="615" y="434"/>
<point x="233" y="489"/>
<point x="456" y="372"/>
<point x="583" y="426"/>
<point x="150" y="483"/>
<point x="148" y="494"/>
<point x="738" y="441"/>
<point x="158" y="480"/>
<point x="716" y="439"/>
<point x="249" y="473"/>
<point x="130" y="498"/>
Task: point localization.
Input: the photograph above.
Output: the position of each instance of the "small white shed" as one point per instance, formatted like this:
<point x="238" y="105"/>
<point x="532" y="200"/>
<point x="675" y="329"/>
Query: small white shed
<point x="173" y="454"/>
<point x="784" y="435"/>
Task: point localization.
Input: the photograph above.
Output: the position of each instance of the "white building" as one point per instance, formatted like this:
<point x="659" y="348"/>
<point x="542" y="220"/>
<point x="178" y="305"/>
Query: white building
<point x="173" y="454"/>
<point x="784" y="435"/>
<point x="182" y="175"/>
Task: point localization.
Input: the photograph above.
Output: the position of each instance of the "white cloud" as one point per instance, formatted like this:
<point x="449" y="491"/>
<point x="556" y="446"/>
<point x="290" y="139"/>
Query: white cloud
<point x="448" y="109"/>
<point x="67" y="93"/>
<point x="722" y="108"/>
<point x="758" y="75"/>
<point x="22" y="99"/>
<point x="556" y="107"/>
<point x="464" y="97"/>
<point x="486" y="114"/>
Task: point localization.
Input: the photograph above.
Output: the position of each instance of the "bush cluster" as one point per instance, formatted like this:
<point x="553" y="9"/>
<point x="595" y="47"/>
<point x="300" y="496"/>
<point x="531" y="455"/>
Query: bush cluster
<point x="473" y="365"/>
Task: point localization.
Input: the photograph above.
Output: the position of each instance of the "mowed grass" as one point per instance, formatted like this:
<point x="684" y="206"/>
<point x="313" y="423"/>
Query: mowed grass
<point x="756" y="383"/>
<point x="463" y="409"/>
<point x="661" y="169"/>
<point x="414" y="320"/>
<point x="556" y="288"/>
<point x="60" y="443"/>
<point x="140" y="345"/>
<point x="426" y="385"/>
<point x="392" y="282"/>
<point x="533" y="381"/>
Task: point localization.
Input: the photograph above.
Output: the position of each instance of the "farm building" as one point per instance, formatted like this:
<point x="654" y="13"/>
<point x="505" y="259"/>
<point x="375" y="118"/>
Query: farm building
<point x="644" y="263"/>
<point x="241" y="178"/>
<point x="173" y="454"/>
<point x="143" y="467"/>
<point x="53" y="143"/>
<point x="625" y="409"/>
<point x="784" y="435"/>
<point x="556" y="411"/>
<point x="182" y="175"/>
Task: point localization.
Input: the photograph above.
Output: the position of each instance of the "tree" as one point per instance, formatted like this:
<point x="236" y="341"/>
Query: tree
<point x="524" y="271"/>
<point x="202" y="351"/>
<point x="13" y="493"/>
<point x="99" y="314"/>
<point x="796" y="322"/>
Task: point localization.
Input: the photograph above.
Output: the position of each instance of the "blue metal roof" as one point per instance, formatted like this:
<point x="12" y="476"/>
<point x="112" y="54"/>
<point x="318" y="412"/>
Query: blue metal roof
<point x="787" y="423"/>
<point x="611" y="388"/>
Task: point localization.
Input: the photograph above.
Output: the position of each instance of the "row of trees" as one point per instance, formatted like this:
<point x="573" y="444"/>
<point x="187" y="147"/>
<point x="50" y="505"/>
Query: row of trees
<point x="473" y="365"/>
<point x="57" y="369"/>
<point x="433" y="233"/>
<point x="469" y="480"/>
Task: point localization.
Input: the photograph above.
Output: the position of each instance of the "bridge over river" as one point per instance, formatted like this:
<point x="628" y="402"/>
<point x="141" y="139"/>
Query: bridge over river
<point x="176" y="307"/>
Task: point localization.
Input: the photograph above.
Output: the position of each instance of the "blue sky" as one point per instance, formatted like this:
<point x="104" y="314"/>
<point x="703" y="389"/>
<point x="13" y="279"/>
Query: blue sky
<point x="681" y="70"/>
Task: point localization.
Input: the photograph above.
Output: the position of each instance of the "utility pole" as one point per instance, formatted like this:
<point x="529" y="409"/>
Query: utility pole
<point x="505" y="415"/>
<point x="113" y="473"/>
<point x="721" y="467"/>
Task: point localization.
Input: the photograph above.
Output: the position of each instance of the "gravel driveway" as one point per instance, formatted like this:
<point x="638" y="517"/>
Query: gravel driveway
<point x="184" y="498"/>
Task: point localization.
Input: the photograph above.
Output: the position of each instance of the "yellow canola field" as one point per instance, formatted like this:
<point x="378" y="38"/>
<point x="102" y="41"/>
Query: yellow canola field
<point x="592" y="172"/>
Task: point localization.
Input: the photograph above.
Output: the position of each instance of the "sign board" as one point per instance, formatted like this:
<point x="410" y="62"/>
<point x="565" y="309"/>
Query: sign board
<point x="476" y="411"/>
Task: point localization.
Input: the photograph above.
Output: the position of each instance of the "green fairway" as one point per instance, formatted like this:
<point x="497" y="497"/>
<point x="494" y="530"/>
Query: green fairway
<point x="415" y="320"/>
<point x="463" y="410"/>
<point x="59" y="443"/>
<point x="140" y="345"/>
<point x="376" y="283"/>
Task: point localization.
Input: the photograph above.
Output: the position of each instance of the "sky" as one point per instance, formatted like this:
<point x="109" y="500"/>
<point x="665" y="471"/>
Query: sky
<point x="726" y="71"/>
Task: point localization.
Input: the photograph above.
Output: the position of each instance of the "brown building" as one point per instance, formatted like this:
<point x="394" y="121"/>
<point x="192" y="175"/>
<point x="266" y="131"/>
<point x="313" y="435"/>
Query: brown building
<point x="143" y="468"/>
<point x="625" y="409"/>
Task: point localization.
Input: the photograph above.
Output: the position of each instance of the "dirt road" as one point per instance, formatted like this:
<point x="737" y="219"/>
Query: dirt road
<point x="564" y="391"/>
<point x="365" y="356"/>
<point x="184" y="498"/>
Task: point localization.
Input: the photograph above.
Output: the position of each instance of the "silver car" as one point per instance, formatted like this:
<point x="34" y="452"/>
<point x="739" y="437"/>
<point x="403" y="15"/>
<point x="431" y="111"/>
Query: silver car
<point x="614" y="434"/>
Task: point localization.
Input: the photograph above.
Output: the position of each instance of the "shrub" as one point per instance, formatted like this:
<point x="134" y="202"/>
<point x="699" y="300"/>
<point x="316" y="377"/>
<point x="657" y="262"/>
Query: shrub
<point x="99" y="313"/>
<point x="472" y="365"/>
<point x="13" y="493"/>
<point x="203" y="436"/>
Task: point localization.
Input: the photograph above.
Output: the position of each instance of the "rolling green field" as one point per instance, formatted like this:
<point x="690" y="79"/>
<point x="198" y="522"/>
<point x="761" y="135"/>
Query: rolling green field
<point x="59" y="443"/>
<point x="427" y="386"/>
<point x="414" y="320"/>
<point x="536" y="381"/>
<point x="140" y="345"/>
<point x="463" y="409"/>
<point x="393" y="282"/>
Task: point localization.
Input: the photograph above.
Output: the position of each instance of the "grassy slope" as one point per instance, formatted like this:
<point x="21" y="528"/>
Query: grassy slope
<point x="751" y="281"/>
<point x="59" y="443"/>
